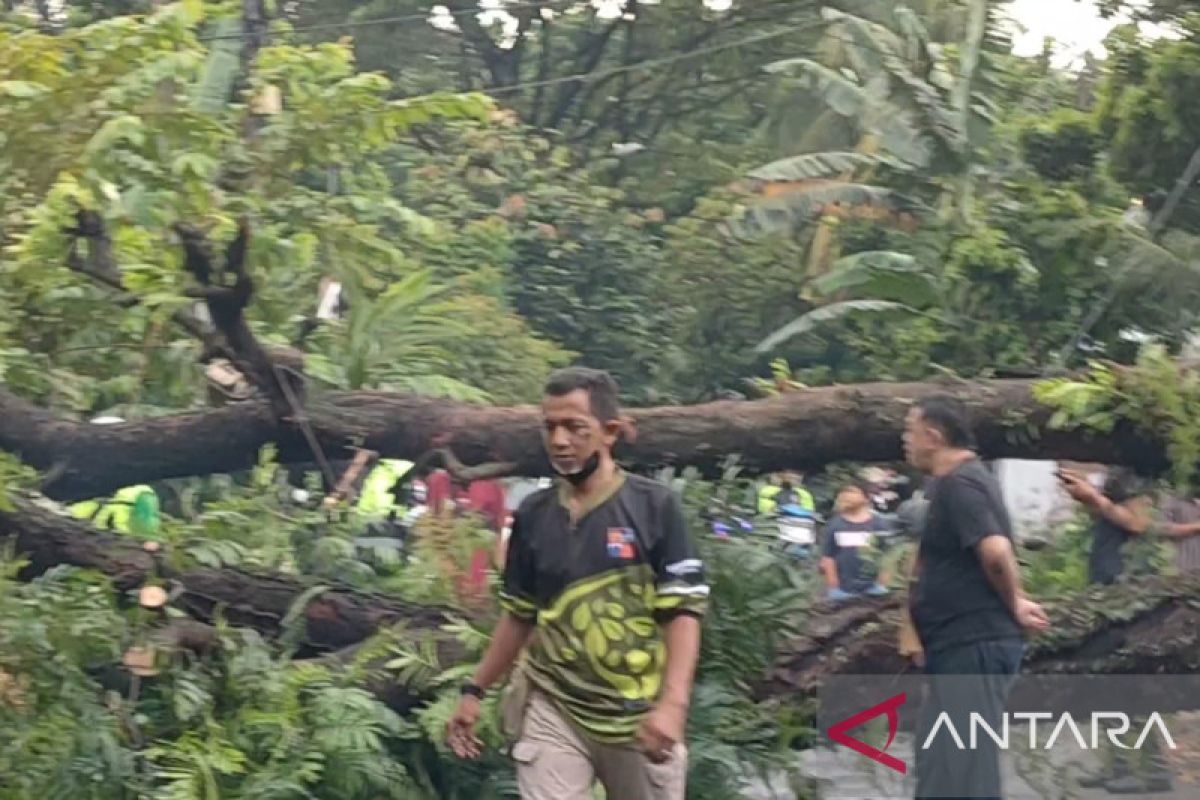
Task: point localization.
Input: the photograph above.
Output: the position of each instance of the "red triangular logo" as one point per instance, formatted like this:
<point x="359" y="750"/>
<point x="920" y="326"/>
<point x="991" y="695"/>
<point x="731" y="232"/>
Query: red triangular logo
<point x="889" y="706"/>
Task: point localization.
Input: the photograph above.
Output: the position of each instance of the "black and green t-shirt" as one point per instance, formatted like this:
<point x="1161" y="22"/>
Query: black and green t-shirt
<point x="598" y="588"/>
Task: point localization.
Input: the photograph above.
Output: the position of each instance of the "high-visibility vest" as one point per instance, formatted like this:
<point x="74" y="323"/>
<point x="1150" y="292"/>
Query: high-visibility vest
<point x="133" y="510"/>
<point x="376" y="498"/>
<point x="767" y="494"/>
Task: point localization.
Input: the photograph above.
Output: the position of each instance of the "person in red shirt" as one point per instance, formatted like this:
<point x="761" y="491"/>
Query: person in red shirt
<point x="485" y="498"/>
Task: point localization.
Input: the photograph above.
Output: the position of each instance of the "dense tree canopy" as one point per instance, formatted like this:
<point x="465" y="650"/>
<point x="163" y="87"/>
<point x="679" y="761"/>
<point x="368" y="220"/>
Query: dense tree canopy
<point x="712" y="200"/>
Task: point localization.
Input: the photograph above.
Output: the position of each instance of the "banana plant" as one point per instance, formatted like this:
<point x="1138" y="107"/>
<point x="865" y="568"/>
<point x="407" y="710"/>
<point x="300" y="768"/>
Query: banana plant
<point x="894" y="94"/>
<point x="872" y="282"/>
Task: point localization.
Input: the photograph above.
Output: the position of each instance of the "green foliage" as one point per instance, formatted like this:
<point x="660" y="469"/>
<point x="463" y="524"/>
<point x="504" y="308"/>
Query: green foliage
<point x="569" y="257"/>
<point x="1062" y="567"/>
<point x="149" y="140"/>
<point x="727" y="294"/>
<point x="1063" y="147"/>
<point x="1144" y="110"/>
<point x="14" y="476"/>
<point x="243" y="722"/>
<point x="826" y="314"/>
<point x="249" y="721"/>
<point x="811" y="165"/>
<point x="1158" y="396"/>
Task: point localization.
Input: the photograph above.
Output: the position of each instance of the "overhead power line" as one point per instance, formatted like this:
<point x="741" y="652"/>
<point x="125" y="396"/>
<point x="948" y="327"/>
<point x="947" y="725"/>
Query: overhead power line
<point x="397" y="20"/>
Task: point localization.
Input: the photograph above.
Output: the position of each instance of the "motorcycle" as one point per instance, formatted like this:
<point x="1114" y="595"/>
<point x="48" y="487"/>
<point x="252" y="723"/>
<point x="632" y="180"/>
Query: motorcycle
<point x="728" y="520"/>
<point x="796" y="531"/>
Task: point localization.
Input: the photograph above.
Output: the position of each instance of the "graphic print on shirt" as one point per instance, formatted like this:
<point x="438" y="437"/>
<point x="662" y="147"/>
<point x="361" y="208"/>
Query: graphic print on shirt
<point x="598" y="588"/>
<point x="620" y="543"/>
<point x="602" y="627"/>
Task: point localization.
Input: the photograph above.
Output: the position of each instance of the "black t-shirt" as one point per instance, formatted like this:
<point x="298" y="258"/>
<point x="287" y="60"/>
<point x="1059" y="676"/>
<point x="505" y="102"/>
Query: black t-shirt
<point x="855" y="573"/>
<point x="1105" y="562"/>
<point x="953" y="602"/>
<point x="598" y="589"/>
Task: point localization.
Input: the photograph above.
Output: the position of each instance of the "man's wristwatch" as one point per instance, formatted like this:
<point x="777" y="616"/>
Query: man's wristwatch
<point x="473" y="689"/>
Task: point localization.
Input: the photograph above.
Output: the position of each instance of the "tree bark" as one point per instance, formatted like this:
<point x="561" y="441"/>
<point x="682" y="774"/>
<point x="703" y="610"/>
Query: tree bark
<point x="799" y="430"/>
<point x="1145" y="627"/>
<point x="332" y="619"/>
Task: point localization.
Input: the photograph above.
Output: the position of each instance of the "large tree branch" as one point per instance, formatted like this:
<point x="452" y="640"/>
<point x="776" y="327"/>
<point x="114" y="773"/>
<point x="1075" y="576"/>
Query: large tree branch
<point x="497" y="60"/>
<point x="100" y="266"/>
<point x="1144" y="627"/>
<point x="227" y="306"/>
<point x="588" y="57"/>
<point x="333" y="619"/>
<point x="804" y="429"/>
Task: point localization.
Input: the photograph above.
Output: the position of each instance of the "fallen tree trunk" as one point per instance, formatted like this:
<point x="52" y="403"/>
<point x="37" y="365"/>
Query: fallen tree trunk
<point x="1143" y="627"/>
<point x="801" y="430"/>
<point x="334" y="617"/>
<point x="1151" y="626"/>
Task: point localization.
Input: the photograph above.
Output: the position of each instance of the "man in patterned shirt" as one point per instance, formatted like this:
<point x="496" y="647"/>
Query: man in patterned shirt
<point x="603" y="590"/>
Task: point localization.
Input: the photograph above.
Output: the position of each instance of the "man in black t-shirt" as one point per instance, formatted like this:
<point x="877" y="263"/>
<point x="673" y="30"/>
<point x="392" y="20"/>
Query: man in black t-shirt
<point x="603" y="591"/>
<point x="966" y="600"/>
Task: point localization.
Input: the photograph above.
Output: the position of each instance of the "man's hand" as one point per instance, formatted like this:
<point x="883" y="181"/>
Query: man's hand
<point x="460" y="730"/>
<point x="661" y="730"/>
<point x="1030" y="615"/>
<point x="1081" y="489"/>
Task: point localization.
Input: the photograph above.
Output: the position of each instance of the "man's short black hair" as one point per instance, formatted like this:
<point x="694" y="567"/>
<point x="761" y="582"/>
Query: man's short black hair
<point x="600" y="387"/>
<point x="855" y="483"/>
<point x="1123" y="484"/>
<point x="949" y="416"/>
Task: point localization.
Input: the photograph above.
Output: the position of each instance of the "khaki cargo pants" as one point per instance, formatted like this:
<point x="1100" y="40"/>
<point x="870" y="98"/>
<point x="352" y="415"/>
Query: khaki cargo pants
<point x="556" y="762"/>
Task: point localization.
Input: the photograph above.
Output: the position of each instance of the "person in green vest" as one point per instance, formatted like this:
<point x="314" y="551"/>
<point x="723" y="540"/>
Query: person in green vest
<point x="787" y="492"/>
<point x="133" y="510"/>
<point x="378" y="499"/>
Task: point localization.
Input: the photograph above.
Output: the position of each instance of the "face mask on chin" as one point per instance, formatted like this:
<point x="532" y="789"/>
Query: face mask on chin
<point x="583" y="473"/>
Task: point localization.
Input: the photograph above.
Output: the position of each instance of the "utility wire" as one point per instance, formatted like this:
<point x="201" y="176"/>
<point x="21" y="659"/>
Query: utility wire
<point x="426" y="17"/>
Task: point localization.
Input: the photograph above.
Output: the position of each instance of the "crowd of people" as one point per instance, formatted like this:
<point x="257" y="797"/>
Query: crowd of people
<point x="603" y="589"/>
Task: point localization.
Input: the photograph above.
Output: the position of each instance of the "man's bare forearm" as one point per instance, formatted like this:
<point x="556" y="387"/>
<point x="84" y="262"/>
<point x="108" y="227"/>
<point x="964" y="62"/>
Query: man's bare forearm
<point x="829" y="569"/>
<point x="1000" y="565"/>
<point x="508" y="640"/>
<point x="1120" y="515"/>
<point x="1178" y="530"/>
<point x="681" y="635"/>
